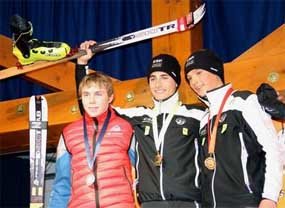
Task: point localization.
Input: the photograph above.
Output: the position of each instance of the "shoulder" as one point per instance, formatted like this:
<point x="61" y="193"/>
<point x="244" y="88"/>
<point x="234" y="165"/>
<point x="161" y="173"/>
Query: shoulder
<point x="119" y="120"/>
<point x="243" y="94"/>
<point x="197" y="106"/>
<point x="195" y="111"/>
<point x="134" y="111"/>
<point x="72" y="126"/>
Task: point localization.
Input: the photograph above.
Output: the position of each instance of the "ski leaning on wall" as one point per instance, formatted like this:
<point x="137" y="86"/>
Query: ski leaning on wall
<point x="181" y="24"/>
<point x="38" y="118"/>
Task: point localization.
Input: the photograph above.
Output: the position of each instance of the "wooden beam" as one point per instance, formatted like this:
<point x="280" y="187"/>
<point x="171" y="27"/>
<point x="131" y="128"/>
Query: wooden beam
<point x="58" y="77"/>
<point x="180" y="45"/>
<point x="272" y="44"/>
<point x="132" y="93"/>
<point x="249" y="74"/>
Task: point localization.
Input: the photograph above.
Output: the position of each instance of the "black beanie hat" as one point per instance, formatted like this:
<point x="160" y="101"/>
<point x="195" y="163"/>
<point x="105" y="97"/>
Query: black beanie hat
<point x="206" y="60"/>
<point x="168" y="64"/>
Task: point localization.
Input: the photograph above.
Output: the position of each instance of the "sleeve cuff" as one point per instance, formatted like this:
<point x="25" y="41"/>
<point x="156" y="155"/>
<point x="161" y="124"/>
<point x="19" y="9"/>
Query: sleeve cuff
<point x="81" y="67"/>
<point x="272" y="197"/>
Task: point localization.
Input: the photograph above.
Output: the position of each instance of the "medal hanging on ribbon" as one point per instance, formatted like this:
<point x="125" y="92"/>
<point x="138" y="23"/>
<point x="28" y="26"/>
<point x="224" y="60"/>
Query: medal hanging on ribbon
<point x="210" y="162"/>
<point x="157" y="159"/>
<point x="90" y="178"/>
<point x="159" y="138"/>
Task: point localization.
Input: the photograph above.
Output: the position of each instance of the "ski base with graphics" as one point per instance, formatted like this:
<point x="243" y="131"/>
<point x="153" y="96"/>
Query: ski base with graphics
<point x="181" y="24"/>
<point x="38" y="118"/>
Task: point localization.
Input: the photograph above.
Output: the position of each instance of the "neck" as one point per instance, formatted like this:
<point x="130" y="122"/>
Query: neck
<point x="99" y="118"/>
<point x="164" y="106"/>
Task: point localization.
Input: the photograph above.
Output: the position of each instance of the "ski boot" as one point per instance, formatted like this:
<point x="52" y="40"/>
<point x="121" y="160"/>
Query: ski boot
<point x="29" y="50"/>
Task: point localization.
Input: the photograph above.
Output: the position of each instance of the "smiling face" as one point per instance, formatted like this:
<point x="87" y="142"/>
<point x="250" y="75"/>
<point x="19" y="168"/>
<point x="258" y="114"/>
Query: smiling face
<point x="95" y="99"/>
<point x="202" y="81"/>
<point x="162" y="86"/>
<point x="96" y="92"/>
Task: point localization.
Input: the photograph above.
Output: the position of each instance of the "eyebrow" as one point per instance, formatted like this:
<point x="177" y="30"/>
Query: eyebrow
<point x="161" y="75"/>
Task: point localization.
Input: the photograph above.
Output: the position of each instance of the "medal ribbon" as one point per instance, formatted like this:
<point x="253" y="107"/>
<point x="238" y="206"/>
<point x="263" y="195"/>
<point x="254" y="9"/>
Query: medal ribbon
<point x="159" y="138"/>
<point x="96" y="145"/>
<point x="212" y="136"/>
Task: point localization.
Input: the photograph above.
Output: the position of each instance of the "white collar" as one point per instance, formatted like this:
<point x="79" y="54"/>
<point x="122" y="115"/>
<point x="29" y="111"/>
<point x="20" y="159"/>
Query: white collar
<point x="165" y="106"/>
<point x="214" y="97"/>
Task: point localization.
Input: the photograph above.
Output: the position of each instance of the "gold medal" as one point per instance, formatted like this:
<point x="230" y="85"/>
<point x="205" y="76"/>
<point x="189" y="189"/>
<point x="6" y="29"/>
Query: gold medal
<point x="210" y="162"/>
<point x="157" y="160"/>
<point x="90" y="179"/>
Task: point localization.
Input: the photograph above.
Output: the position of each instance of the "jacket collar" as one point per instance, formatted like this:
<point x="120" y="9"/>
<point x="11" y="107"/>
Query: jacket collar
<point x="101" y="118"/>
<point x="165" y="106"/>
<point x="214" y="98"/>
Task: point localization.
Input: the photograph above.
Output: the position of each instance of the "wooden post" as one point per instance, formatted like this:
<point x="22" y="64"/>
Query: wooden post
<point x="179" y="45"/>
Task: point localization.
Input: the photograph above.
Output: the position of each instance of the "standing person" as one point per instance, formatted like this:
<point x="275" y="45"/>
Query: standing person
<point x="166" y="138"/>
<point x="93" y="167"/>
<point x="240" y="161"/>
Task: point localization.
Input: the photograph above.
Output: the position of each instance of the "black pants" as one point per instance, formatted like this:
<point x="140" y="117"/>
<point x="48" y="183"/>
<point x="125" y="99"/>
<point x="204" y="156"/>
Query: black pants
<point x="170" y="204"/>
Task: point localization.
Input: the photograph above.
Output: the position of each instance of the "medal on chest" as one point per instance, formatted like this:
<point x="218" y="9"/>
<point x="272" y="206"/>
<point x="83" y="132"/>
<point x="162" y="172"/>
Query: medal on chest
<point x="210" y="162"/>
<point x="157" y="161"/>
<point x="90" y="179"/>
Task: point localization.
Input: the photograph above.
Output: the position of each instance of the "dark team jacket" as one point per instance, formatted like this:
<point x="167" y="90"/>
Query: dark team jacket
<point x="248" y="166"/>
<point x="178" y="177"/>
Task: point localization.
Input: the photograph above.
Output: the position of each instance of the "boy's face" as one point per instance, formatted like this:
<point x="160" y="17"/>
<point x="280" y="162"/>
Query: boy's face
<point x="202" y="81"/>
<point x="95" y="99"/>
<point x="161" y="85"/>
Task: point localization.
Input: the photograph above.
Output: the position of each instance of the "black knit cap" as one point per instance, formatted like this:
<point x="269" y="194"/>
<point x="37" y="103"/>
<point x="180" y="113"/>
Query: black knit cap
<point x="206" y="60"/>
<point x="168" y="64"/>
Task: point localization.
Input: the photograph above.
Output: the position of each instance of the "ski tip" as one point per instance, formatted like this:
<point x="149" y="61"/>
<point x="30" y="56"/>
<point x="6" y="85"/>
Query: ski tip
<point x="199" y="13"/>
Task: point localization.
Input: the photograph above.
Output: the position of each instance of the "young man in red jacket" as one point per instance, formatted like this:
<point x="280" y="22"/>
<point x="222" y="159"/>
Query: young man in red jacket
<point x="93" y="167"/>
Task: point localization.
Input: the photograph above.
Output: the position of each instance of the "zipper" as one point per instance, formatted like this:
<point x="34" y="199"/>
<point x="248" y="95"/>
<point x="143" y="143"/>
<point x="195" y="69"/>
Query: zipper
<point x="213" y="185"/>
<point x="129" y="182"/>
<point x="244" y="156"/>
<point x="196" y="163"/>
<point x="96" y="186"/>
<point x="161" y="152"/>
<point x="161" y="166"/>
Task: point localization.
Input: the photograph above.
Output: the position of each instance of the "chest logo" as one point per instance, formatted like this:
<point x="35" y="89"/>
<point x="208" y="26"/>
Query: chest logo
<point x="116" y="128"/>
<point x="203" y="132"/>
<point x="147" y="120"/>
<point x="180" y="121"/>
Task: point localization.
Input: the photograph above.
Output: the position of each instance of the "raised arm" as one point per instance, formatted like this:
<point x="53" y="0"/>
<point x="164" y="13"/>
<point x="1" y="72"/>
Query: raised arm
<point x="82" y="66"/>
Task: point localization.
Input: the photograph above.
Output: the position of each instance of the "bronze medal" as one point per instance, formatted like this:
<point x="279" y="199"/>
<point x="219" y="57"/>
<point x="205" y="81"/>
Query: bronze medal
<point x="90" y="179"/>
<point x="157" y="160"/>
<point x="210" y="163"/>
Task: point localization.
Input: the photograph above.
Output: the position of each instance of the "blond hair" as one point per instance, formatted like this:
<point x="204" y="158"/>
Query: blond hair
<point x="99" y="78"/>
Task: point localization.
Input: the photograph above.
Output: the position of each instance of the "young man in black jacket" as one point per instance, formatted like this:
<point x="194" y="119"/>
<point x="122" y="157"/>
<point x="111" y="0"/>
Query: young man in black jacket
<point x="240" y="161"/>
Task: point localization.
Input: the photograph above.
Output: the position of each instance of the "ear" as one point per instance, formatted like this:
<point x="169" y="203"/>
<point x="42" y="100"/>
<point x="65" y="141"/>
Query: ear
<point x="111" y="98"/>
